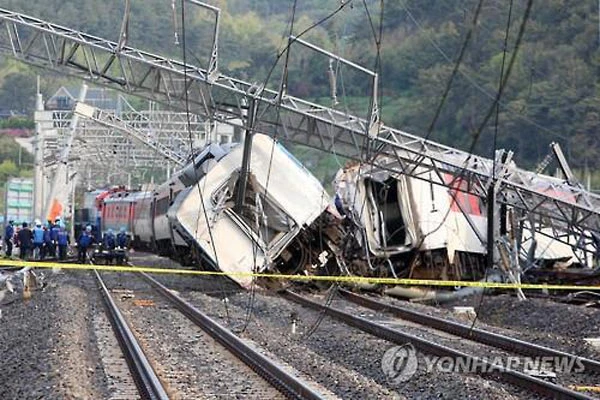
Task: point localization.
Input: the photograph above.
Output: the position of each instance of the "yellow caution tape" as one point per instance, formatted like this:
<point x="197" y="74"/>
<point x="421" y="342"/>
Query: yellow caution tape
<point x="326" y="278"/>
<point x="585" y="388"/>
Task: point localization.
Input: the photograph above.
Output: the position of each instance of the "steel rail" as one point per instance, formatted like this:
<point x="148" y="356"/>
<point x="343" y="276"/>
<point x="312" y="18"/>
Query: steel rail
<point x="511" y="376"/>
<point x="289" y="385"/>
<point x="145" y="378"/>
<point x="465" y="331"/>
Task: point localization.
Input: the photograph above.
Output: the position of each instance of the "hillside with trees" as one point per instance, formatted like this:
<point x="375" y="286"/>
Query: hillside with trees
<point x="553" y="92"/>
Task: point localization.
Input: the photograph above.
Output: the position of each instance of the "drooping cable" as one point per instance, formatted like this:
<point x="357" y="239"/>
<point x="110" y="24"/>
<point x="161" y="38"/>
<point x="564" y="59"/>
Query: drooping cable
<point x="188" y="119"/>
<point x="504" y="79"/>
<point x="455" y="70"/>
<point x="474" y="83"/>
<point x="508" y="22"/>
<point x="291" y="41"/>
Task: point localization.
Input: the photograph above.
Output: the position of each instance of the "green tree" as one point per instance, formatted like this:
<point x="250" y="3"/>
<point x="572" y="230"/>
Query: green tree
<point x="18" y="92"/>
<point x="8" y="169"/>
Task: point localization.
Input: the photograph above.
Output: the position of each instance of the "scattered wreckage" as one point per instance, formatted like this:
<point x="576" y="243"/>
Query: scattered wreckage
<point x="381" y="224"/>
<point x="402" y="226"/>
<point x="19" y="284"/>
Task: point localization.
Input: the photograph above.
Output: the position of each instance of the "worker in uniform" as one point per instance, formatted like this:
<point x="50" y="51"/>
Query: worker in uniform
<point x="122" y="238"/>
<point x="122" y="242"/>
<point x="24" y="240"/>
<point x="108" y="244"/>
<point x="38" y="240"/>
<point x="9" y="232"/>
<point x="63" y="241"/>
<point x="54" y="236"/>
<point x="47" y="249"/>
<point x="83" y="243"/>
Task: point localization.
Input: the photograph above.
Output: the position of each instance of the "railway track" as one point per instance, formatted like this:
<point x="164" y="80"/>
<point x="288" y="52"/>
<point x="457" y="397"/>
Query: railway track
<point x="475" y="334"/>
<point x="275" y="374"/>
<point x="147" y="382"/>
<point x="146" y="379"/>
<point x="525" y="381"/>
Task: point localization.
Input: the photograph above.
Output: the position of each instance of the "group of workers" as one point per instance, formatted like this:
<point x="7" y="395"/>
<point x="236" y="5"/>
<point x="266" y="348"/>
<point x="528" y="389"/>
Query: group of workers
<point x="109" y="244"/>
<point x="42" y="241"/>
<point x="52" y="241"/>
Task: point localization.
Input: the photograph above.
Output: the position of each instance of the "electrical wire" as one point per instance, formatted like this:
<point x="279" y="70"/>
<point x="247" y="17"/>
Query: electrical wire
<point x="251" y="300"/>
<point x="474" y="83"/>
<point x="455" y="70"/>
<point x="365" y="152"/>
<point x="250" y="304"/>
<point x="510" y="6"/>
<point x="187" y="111"/>
<point x="458" y="177"/>
<point x="289" y="44"/>
<point x="504" y="79"/>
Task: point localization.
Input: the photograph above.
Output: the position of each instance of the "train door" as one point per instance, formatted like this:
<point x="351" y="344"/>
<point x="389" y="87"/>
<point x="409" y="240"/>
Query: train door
<point x="388" y="221"/>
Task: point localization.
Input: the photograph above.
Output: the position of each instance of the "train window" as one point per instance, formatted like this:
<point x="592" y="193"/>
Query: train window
<point x="162" y="206"/>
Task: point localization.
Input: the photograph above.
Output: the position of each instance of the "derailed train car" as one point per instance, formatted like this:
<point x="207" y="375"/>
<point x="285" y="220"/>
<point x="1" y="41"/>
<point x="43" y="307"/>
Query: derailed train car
<point x="283" y="203"/>
<point x="395" y="225"/>
<point x="409" y="227"/>
<point x="430" y="229"/>
<point x="282" y="225"/>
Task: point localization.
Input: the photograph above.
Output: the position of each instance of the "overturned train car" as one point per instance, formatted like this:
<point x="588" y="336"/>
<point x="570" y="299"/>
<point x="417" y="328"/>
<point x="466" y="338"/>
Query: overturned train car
<point x="282" y="226"/>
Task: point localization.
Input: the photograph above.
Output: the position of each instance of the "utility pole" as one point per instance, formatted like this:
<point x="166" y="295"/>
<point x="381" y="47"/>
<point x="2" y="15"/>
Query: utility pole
<point x="246" y="158"/>
<point x="491" y="225"/>
<point x="59" y="193"/>
<point x="38" y="156"/>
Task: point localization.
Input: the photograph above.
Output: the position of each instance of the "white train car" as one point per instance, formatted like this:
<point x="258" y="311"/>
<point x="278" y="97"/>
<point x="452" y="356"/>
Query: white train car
<point x="429" y="228"/>
<point x="282" y="199"/>
<point x="142" y="224"/>
<point x="397" y="215"/>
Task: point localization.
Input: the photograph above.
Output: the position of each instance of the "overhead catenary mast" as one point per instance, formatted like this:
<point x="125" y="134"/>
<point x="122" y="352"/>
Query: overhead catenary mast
<point x="59" y="194"/>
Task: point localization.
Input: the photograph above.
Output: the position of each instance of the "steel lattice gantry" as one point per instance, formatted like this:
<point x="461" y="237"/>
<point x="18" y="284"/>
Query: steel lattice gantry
<point x="103" y="154"/>
<point x="546" y="201"/>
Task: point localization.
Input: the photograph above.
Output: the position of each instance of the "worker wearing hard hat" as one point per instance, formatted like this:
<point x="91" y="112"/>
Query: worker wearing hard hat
<point x="83" y="243"/>
<point x="38" y="239"/>
<point x="63" y="242"/>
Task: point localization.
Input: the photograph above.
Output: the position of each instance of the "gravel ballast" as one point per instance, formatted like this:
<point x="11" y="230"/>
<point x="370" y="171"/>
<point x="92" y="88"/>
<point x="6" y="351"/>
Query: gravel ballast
<point x="47" y="343"/>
